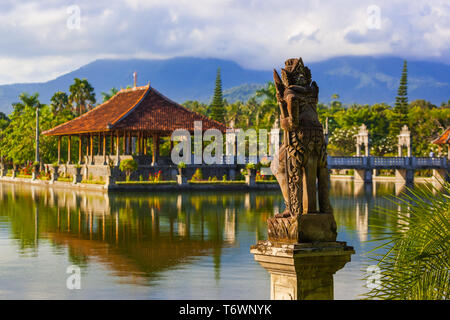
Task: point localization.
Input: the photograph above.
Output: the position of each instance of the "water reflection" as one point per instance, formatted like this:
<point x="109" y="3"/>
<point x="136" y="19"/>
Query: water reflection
<point x="144" y="240"/>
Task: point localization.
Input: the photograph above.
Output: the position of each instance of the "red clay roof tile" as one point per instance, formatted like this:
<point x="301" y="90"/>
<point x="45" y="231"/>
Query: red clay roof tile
<point x="141" y="108"/>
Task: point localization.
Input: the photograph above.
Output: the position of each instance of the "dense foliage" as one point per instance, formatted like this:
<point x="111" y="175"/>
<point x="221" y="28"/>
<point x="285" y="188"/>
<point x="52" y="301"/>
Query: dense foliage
<point x="425" y="120"/>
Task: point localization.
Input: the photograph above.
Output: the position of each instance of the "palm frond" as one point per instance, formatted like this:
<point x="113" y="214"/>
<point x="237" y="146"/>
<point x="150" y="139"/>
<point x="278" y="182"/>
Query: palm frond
<point x="414" y="255"/>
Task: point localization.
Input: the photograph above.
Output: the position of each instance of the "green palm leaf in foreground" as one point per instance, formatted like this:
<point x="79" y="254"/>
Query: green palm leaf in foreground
<point x="414" y="258"/>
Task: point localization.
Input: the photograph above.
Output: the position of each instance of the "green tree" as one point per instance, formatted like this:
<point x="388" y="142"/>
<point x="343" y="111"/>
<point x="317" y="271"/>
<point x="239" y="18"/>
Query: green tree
<point x="128" y="166"/>
<point x="60" y="102"/>
<point x="269" y="109"/>
<point x="217" y="106"/>
<point x="401" y="102"/>
<point x="18" y="143"/>
<point x="197" y="107"/>
<point x="108" y="95"/>
<point x="82" y="96"/>
<point x="342" y="141"/>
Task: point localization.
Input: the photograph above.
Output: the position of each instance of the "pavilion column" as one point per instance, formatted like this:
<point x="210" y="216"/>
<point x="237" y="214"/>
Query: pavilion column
<point x="68" y="149"/>
<point x="99" y="144"/>
<point x="130" y="149"/>
<point x="124" y="145"/>
<point x="145" y="144"/>
<point x="91" y="141"/>
<point x="117" y="148"/>
<point x="87" y="149"/>
<point x="155" y="149"/>
<point x="104" y="149"/>
<point x="59" y="149"/>
<point x="111" y="144"/>
<point x="80" y="149"/>
<point x="138" y="143"/>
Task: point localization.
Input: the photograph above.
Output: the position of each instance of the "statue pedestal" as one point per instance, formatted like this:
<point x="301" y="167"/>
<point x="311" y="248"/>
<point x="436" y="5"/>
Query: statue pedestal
<point x="306" y="228"/>
<point x="302" y="271"/>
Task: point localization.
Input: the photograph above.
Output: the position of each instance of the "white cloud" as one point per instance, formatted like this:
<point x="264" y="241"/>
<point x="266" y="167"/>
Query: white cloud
<point x="37" y="45"/>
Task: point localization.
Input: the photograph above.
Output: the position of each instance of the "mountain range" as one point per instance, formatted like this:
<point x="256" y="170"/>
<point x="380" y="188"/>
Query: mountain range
<point x="356" y="79"/>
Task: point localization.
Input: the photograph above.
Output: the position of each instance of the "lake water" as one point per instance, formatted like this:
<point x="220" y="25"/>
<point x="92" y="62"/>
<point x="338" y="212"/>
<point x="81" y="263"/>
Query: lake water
<point x="161" y="245"/>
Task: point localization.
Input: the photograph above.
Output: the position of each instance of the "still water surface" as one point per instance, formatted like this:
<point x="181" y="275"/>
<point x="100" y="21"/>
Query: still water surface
<point x="161" y="245"/>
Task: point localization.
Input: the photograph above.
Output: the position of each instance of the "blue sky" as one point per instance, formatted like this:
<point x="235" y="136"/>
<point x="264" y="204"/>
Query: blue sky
<point x="46" y="38"/>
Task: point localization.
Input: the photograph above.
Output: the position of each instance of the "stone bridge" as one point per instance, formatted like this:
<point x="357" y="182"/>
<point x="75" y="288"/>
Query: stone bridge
<point x="404" y="166"/>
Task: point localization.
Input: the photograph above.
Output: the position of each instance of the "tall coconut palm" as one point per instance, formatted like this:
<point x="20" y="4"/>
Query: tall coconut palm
<point x="82" y="95"/>
<point x="59" y="102"/>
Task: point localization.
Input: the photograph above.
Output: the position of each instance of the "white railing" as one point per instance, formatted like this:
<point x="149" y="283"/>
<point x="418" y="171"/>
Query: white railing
<point x="374" y="162"/>
<point x="389" y="161"/>
<point x="346" y="161"/>
<point x="430" y="162"/>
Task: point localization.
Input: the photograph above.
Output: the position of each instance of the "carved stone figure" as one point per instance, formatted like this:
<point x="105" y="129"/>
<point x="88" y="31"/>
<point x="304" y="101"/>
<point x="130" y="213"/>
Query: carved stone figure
<point x="301" y="164"/>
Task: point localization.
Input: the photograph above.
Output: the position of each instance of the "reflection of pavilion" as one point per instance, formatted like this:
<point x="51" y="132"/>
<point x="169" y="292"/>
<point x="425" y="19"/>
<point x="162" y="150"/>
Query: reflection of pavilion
<point x="133" y="235"/>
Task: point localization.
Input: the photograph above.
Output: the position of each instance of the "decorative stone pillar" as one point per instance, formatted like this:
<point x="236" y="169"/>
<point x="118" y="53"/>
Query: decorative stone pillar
<point x="110" y="178"/>
<point x="362" y="138"/>
<point x="302" y="271"/>
<point x="404" y="140"/>
<point x="77" y="176"/>
<point x="181" y="179"/>
<point x="250" y="177"/>
<point x="54" y="174"/>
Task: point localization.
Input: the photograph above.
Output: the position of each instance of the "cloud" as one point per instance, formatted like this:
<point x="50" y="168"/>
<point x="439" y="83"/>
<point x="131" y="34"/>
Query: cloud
<point x="38" y="42"/>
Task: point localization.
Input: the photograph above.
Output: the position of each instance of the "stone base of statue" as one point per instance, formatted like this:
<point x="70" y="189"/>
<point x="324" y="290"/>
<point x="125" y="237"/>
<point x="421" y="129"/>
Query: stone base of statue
<point x="311" y="227"/>
<point x="302" y="271"/>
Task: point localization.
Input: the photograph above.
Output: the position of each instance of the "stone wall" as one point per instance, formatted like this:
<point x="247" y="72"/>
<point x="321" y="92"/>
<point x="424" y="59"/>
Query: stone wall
<point x="168" y="172"/>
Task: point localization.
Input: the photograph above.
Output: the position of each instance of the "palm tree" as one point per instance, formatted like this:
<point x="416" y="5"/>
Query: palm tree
<point x="233" y="112"/>
<point x="29" y="101"/>
<point x="415" y="263"/>
<point x="59" y="102"/>
<point x="26" y="100"/>
<point x="81" y="95"/>
<point x="269" y="106"/>
<point x="108" y="95"/>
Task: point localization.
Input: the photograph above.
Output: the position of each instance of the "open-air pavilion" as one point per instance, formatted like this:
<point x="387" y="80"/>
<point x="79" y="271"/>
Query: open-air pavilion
<point x="130" y="124"/>
<point x="125" y="124"/>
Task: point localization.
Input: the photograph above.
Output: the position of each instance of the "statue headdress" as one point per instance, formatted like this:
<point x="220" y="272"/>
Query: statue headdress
<point x="295" y="72"/>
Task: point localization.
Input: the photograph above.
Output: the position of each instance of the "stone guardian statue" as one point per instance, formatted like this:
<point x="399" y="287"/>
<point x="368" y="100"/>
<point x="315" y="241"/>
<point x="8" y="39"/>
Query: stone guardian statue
<point x="301" y="163"/>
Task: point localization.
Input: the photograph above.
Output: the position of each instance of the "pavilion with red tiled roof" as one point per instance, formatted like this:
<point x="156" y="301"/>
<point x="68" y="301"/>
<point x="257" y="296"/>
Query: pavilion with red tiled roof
<point x="443" y="140"/>
<point x="131" y="116"/>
